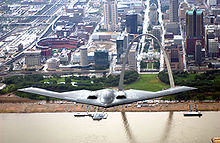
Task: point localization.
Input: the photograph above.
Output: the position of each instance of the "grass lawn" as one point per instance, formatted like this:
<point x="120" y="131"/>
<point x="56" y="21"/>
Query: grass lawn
<point x="61" y="79"/>
<point x="149" y="65"/>
<point x="147" y="82"/>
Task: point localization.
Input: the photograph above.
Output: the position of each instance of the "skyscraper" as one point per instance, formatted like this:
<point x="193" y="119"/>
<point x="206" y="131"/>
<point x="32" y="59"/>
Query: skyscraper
<point x="132" y="61"/>
<point x="198" y="53"/>
<point x="101" y="58"/>
<point x="153" y="14"/>
<point x="83" y="56"/>
<point x="131" y="23"/>
<point x="121" y="45"/>
<point x="110" y="15"/>
<point x="194" y="24"/>
<point x="173" y="11"/>
<point x="194" y="30"/>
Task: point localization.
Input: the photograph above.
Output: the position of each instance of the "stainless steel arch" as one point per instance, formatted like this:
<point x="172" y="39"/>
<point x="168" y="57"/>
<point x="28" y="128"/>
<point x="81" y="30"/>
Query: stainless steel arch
<point x="121" y="81"/>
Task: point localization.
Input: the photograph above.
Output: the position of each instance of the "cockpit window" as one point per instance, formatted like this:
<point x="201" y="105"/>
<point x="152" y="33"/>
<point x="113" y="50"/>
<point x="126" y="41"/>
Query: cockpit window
<point x="92" y="97"/>
<point x="121" y="97"/>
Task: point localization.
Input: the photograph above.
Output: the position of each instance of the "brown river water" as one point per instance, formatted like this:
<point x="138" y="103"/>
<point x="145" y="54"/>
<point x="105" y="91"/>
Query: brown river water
<point x="128" y="127"/>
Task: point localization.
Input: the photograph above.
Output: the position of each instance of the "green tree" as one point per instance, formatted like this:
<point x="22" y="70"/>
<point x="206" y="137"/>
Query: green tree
<point x="143" y="65"/>
<point x="67" y="80"/>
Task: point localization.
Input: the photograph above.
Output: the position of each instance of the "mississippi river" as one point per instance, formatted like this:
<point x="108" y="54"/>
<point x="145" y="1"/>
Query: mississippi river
<point x="128" y="127"/>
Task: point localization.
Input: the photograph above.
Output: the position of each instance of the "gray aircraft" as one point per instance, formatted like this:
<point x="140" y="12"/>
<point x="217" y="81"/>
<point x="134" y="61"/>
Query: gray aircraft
<point x="109" y="97"/>
<point x="106" y="97"/>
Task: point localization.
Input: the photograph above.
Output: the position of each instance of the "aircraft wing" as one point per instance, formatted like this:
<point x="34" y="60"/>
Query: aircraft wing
<point x="89" y="97"/>
<point x="133" y="95"/>
<point x="79" y="96"/>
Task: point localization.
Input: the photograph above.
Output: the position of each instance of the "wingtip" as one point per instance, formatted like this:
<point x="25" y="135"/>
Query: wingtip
<point x="188" y="87"/>
<point x="193" y="88"/>
<point x="21" y="89"/>
<point x="24" y="89"/>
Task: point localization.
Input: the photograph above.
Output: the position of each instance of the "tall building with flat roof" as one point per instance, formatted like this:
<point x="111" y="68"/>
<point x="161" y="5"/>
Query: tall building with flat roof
<point x="32" y="58"/>
<point x="131" y="23"/>
<point x="53" y="64"/>
<point x="175" y="57"/>
<point x="213" y="47"/>
<point x="157" y="32"/>
<point x="101" y="58"/>
<point x="173" y="11"/>
<point x="110" y="15"/>
<point x="194" y="24"/>
<point x="121" y="45"/>
<point x="198" y="53"/>
<point x="153" y="14"/>
<point x="194" y="31"/>
<point x="132" y="60"/>
<point x="83" y="56"/>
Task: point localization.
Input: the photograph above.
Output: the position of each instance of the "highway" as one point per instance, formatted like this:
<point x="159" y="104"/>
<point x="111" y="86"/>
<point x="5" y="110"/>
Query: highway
<point x="184" y="48"/>
<point x="142" y="41"/>
<point x="29" y="37"/>
<point x="162" y="35"/>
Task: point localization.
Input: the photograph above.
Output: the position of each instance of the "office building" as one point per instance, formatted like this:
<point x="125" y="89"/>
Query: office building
<point x="53" y="64"/>
<point x="110" y="15"/>
<point x="153" y="14"/>
<point x="194" y="31"/>
<point x="131" y="23"/>
<point x="175" y="56"/>
<point x="173" y="11"/>
<point x="213" y="48"/>
<point x="198" y="53"/>
<point x="157" y="32"/>
<point x="32" y="58"/>
<point x="101" y="58"/>
<point x="83" y="56"/>
<point x="120" y="47"/>
<point x="173" y="27"/>
<point x="132" y="60"/>
<point x="194" y="24"/>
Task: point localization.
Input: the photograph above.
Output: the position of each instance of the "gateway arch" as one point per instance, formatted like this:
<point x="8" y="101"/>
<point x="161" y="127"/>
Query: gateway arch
<point x="121" y="81"/>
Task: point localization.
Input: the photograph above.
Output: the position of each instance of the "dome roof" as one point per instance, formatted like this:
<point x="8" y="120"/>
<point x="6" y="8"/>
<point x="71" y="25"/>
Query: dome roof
<point x="153" y="6"/>
<point x="183" y="4"/>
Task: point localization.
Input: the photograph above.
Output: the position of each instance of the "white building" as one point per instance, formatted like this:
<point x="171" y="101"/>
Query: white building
<point x="110" y="15"/>
<point x="132" y="60"/>
<point x="32" y="58"/>
<point x="211" y="2"/>
<point x="83" y="56"/>
<point x="178" y="39"/>
<point x="53" y="63"/>
<point x="213" y="47"/>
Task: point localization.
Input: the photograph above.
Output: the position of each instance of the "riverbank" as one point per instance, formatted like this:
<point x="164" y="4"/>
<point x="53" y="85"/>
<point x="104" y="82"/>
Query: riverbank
<point x="71" y="107"/>
<point x="11" y="103"/>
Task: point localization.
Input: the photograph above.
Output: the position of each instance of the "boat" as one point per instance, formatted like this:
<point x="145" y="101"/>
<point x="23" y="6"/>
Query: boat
<point x="193" y="113"/>
<point x="105" y="116"/>
<point x="81" y="114"/>
<point x="99" y="116"/>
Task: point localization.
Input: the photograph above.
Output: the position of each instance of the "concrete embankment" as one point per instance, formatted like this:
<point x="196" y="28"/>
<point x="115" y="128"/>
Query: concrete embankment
<point x="70" y="107"/>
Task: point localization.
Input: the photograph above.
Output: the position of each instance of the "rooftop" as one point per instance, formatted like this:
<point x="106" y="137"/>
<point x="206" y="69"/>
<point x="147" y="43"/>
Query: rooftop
<point x="190" y="12"/>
